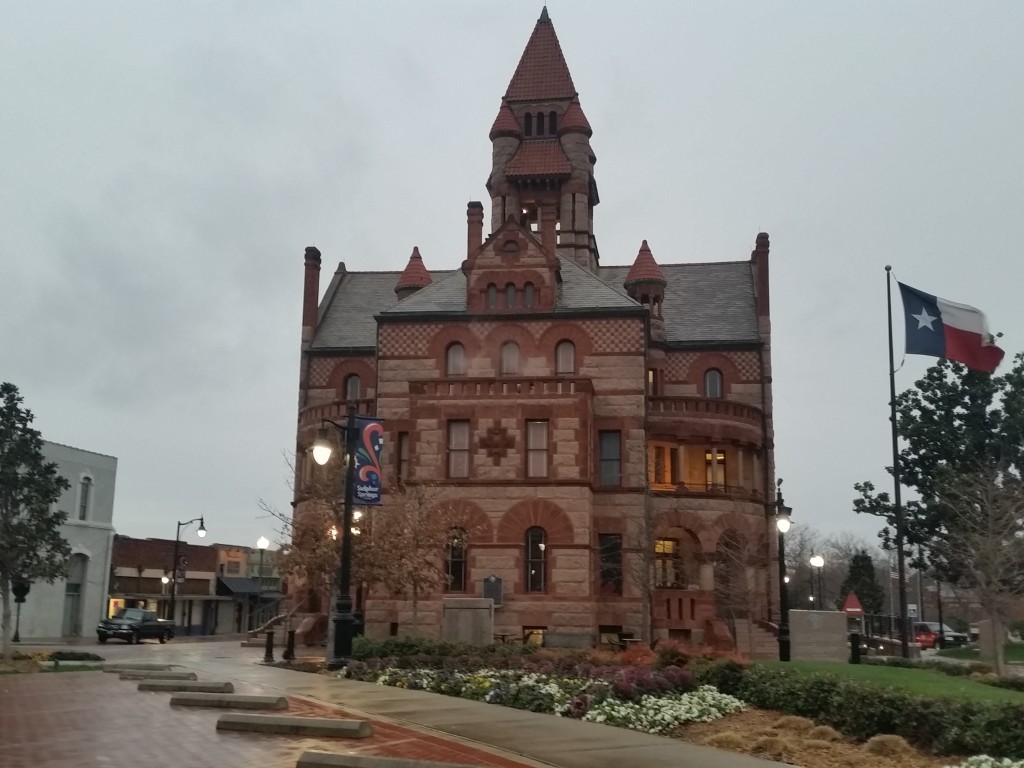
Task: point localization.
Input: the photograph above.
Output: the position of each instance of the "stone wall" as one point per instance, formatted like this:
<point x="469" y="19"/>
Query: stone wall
<point x="818" y="636"/>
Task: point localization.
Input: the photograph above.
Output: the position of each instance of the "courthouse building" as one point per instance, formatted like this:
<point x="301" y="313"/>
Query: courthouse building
<point x="606" y="425"/>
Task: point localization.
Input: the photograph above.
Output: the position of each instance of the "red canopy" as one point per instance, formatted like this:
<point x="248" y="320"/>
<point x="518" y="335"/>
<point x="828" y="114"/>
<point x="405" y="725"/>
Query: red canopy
<point x="852" y="605"/>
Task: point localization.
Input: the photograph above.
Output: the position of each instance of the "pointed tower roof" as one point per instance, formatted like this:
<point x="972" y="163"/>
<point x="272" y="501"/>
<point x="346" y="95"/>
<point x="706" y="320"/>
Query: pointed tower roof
<point x="414" y="275"/>
<point x="574" y="121"/>
<point x="645" y="269"/>
<point x="542" y="73"/>
<point x="505" y="124"/>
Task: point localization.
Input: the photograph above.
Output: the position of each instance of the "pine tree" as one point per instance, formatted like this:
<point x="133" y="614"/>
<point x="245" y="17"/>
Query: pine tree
<point x="860" y="580"/>
<point x="31" y="545"/>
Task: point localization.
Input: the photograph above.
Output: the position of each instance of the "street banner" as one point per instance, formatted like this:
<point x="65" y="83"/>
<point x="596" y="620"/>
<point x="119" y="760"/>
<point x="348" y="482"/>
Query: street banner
<point x="369" y="476"/>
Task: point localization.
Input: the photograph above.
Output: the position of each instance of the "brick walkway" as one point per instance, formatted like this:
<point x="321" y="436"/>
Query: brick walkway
<point x="95" y="720"/>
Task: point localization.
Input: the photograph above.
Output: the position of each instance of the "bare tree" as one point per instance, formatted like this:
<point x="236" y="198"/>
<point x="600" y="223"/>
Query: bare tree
<point x="640" y="540"/>
<point x="984" y="543"/>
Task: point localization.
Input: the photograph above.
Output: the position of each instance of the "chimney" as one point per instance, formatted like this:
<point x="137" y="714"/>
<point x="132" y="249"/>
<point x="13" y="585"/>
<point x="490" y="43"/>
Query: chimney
<point x="310" y="293"/>
<point x="548" y="233"/>
<point x="759" y="259"/>
<point x="475" y="227"/>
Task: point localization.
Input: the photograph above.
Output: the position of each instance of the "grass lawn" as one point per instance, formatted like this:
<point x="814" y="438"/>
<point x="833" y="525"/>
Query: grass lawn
<point x="920" y="681"/>
<point x="1014" y="653"/>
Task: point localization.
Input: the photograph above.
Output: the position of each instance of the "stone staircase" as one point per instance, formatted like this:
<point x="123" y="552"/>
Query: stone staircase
<point x="756" y="642"/>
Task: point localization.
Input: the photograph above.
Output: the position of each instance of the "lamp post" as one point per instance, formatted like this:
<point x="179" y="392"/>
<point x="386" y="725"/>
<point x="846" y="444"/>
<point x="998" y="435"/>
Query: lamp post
<point x="174" y="566"/>
<point x="783" y="523"/>
<point x="261" y="544"/>
<point x="817" y="562"/>
<point x="344" y="621"/>
<point x="20" y="588"/>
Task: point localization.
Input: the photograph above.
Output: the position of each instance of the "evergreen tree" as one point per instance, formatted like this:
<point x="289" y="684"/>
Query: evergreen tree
<point x="31" y="545"/>
<point x="860" y="579"/>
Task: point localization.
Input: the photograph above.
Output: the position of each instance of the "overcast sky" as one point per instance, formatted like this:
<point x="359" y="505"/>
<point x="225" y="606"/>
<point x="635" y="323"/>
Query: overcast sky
<point x="162" y="167"/>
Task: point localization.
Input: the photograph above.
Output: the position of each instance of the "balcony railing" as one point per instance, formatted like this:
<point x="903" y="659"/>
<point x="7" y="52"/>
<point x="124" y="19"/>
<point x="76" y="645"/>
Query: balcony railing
<point x="312" y="415"/>
<point x="702" y="407"/>
<point x="506" y="387"/>
<point x="707" y="489"/>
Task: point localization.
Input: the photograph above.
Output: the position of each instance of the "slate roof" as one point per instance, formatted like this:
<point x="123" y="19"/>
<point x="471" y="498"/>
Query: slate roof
<point x="539" y="158"/>
<point x="705" y="303"/>
<point x="542" y="73"/>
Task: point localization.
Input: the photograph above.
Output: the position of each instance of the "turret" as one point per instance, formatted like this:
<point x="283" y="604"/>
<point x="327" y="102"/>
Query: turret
<point x="414" y="276"/>
<point x="646" y="283"/>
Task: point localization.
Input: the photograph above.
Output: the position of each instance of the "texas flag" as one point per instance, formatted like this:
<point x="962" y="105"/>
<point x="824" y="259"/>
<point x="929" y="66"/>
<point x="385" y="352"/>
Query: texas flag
<point x="941" y="328"/>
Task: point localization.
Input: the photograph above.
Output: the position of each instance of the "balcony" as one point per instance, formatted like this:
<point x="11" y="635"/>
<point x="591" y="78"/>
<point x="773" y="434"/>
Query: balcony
<point x="463" y="388"/>
<point x="703" y="408"/>
<point x="738" y="492"/>
<point x="701" y="417"/>
<point x="313" y="415"/>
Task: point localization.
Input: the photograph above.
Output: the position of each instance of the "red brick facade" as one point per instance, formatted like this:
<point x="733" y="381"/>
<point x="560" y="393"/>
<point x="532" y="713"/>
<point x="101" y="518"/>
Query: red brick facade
<point x="627" y="414"/>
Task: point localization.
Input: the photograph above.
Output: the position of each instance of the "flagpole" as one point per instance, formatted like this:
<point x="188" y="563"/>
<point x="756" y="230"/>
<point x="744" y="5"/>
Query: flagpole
<point x="901" y="566"/>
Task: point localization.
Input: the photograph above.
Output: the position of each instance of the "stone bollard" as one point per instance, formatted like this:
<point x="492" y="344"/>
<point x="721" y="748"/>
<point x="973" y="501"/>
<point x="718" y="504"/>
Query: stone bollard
<point x="289" y="648"/>
<point x="268" y="656"/>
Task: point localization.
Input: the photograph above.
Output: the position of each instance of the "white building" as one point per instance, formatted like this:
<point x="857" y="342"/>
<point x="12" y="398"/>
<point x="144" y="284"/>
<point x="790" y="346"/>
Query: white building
<point x="71" y="607"/>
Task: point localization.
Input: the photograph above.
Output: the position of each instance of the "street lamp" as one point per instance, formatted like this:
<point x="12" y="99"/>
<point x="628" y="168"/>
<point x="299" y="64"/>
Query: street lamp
<point x="174" y="567"/>
<point x="261" y="544"/>
<point x="817" y="562"/>
<point x="344" y="621"/>
<point x="783" y="522"/>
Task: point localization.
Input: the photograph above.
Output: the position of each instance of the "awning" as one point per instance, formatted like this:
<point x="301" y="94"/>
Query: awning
<point x="237" y="585"/>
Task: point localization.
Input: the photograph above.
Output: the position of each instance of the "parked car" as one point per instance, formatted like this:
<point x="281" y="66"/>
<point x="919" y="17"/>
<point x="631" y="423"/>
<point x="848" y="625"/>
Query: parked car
<point x="926" y="634"/>
<point x="133" y="625"/>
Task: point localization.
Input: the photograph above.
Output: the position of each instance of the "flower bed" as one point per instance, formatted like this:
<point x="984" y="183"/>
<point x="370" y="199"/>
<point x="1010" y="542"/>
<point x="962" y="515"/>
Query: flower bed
<point x="632" y="697"/>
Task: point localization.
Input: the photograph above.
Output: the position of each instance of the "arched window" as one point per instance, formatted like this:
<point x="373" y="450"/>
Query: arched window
<point x="84" y="497"/>
<point x="713" y="383"/>
<point x="552" y="123"/>
<point x="528" y="124"/>
<point x="510" y="295"/>
<point x="352" y="387"/>
<point x="509" y="359"/>
<point x="540" y="123"/>
<point x="565" y="358"/>
<point x="492" y="296"/>
<point x="455" y="561"/>
<point x="455" y="360"/>
<point x="528" y="295"/>
<point x="536" y="559"/>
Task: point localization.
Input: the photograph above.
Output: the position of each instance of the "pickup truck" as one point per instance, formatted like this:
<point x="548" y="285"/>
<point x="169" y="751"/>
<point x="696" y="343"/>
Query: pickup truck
<point x="133" y="625"/>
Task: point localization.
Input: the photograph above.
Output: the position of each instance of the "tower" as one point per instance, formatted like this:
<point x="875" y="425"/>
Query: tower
<point x="542" y="170"/>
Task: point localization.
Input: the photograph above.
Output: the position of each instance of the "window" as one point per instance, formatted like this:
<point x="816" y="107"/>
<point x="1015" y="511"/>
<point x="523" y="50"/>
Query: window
<point x="552" y="123"/>
<point x="714" y="469"/>
<point x="352" y="387"/>
<point x="455" y="561"/>
<point x="84" y="494"/>
<point x="402" y="468"/>
<point x="713" y="383"/>
<point x="492" y="296"/>
<point x="660" y="470"/>
<point x="666" y="563"/>
<point x="565" y="358"/>
<point x="653" y="387"/>
<point x="509" y="359"/>
<point x="536" y="559"/>
<point x="458" y="449"/>
<point x="528" y="295"/>
<point x="540" y="123"/>
<point x="510" y="296"/>
<point x="528" y="124"/>
<point x="610" y="451"/>
<point x="610" y="552"/>
<point x="234" y="567"/>
<point x="455" y="360"/>
<point x="536" y="449"/>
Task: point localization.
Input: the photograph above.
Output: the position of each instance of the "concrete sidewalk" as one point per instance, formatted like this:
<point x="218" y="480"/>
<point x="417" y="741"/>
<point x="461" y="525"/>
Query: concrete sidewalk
<point x="544" y="738"/>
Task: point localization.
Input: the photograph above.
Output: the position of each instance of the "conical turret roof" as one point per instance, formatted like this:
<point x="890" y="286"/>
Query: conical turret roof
<point x="505" y="124"/>
<point x="414" y="275"/>
<point x="574" y="121"/>
<point x="542" y="73"/>
<point x="645" y="269"/>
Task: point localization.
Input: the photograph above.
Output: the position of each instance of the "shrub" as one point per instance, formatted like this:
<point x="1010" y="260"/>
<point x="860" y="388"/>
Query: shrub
<point x="723" y="674"/>
<point x="775" y="747"/>
<point x="824" y="733"/>
<point x="74" y="656"/>
<point x="727" y="740"/>
<point x="370" y="648"/>
<point x="887" y="745"/>
<point x="793" y="723"/>
<point x="818" y="745"/>
<point x="637" y="655"/>
<point x="672" y="653"/>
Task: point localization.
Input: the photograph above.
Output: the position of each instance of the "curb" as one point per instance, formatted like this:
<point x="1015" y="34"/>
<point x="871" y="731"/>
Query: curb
<point x="230" y="700"/>
<point x="296" y="726"/>
<point x="191" y="686"/>
<point x="332" y="760"/>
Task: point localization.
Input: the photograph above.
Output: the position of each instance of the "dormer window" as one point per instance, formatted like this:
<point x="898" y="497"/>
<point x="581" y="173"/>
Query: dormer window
<point x="510" y="295"/>
<point x="492" y="296"/>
